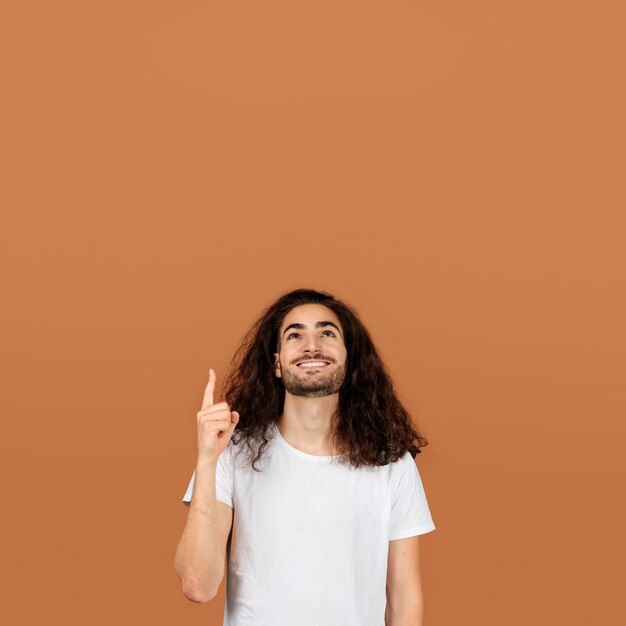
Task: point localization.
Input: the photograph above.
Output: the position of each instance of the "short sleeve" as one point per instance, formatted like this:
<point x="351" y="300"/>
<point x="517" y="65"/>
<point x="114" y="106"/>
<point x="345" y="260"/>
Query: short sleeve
<point x="223" y="480"/>
<point x="410" y="514"/>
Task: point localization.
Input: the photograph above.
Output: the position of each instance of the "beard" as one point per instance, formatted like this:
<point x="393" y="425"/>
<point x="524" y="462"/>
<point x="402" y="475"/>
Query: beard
<point x="314" y="385"/>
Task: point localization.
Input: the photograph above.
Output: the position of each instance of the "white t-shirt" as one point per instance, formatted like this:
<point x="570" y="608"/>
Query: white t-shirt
<point x="310" y="539"/>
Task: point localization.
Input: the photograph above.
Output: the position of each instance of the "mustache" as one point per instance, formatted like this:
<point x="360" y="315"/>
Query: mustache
<point x="316" y="358"/>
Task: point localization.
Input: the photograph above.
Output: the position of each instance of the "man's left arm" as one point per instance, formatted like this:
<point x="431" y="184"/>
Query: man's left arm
<point x="404" y="586"/>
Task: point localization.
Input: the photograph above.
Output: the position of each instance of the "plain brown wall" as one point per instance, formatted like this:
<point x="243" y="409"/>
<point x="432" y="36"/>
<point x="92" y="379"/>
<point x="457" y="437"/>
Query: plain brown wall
<point x="454" y="170"/>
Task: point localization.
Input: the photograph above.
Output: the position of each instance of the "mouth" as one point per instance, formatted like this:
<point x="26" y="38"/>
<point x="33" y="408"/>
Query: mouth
<point x="312" y="364"/>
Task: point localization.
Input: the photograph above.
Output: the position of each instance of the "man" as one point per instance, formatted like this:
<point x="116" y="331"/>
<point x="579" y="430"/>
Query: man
<point x="326" y="532"/>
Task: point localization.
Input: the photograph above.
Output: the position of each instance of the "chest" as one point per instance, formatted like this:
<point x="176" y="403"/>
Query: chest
<point x="320" y="506"/>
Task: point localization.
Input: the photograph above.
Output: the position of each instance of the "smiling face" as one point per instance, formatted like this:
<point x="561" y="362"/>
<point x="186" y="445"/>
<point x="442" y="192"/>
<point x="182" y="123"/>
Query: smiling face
<point x="312" y="357"/>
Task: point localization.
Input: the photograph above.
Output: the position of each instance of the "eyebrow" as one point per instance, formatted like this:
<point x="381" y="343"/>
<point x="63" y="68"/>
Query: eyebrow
<point x="317" y="325"/>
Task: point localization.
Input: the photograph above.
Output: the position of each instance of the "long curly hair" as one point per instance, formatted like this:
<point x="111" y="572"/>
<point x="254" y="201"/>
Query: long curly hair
<point x="371" y="427"/>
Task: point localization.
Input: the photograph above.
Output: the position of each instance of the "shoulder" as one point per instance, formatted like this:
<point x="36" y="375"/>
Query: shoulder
<point x="404" y="463"/>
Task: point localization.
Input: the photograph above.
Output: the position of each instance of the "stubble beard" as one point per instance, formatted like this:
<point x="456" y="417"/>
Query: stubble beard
<point x="314" y="386"/>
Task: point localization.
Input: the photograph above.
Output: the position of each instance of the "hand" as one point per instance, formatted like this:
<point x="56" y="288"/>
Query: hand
<point x="216" y="424"/>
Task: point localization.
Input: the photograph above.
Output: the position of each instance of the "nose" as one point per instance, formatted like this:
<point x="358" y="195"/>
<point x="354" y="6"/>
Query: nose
<point x="313" y="344"/>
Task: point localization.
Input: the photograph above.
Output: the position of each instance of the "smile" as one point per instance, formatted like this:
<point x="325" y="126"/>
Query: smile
<point x="313" y="364"/>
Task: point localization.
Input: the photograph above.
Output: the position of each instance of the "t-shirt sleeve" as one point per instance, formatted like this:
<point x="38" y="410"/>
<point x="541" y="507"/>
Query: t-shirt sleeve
<point x="223" y="480"/>
<point x="410" y="514"/>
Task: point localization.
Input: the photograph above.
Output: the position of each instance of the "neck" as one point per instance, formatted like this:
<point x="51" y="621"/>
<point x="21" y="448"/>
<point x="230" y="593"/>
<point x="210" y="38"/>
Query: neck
<point x="307" y="423"/>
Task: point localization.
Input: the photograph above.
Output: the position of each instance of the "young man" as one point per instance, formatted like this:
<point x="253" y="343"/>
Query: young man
<point x="326" y="532"/>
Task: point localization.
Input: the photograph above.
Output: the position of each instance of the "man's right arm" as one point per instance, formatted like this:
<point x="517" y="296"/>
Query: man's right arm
<point x="201" y="551"/>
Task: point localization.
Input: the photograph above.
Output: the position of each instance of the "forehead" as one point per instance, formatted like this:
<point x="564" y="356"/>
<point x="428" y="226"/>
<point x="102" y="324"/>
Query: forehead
<point x="309" y="314"/>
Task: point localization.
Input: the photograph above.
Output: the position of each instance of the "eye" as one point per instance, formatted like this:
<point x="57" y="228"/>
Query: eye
<point x="290" y="335"/>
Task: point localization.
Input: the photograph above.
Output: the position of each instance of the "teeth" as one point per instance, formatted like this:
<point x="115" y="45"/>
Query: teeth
<point x="312" y="364"/>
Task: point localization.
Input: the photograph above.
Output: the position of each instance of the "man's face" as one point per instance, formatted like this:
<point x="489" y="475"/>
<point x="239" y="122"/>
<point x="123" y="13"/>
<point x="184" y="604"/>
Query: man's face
<point x="311" y="333"/>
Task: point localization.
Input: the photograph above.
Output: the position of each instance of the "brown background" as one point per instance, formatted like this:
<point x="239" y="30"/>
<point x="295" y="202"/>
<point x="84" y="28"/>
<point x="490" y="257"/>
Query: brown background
<point x="454" y="170"/>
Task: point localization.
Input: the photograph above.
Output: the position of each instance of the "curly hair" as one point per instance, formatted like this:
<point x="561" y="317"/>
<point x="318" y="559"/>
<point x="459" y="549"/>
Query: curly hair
<point x="371" y="427"/>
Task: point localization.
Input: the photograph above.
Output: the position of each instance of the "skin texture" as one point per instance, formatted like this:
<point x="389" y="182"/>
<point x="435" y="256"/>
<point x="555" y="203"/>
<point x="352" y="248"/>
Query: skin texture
<point x="404" y="586"/>
<point x="311" y="395"/>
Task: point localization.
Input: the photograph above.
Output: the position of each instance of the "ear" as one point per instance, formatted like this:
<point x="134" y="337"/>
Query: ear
<point x="277" y="365"/>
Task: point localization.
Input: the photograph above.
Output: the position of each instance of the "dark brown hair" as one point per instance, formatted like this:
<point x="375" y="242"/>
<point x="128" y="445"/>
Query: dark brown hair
<point x="371" y="427"/>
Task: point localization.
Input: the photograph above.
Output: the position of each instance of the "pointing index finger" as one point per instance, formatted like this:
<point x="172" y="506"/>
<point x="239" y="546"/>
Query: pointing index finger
<point x="207" y="401"/>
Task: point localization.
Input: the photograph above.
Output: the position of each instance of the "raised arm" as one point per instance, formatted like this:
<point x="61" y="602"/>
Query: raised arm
<point x="201" y="551"/>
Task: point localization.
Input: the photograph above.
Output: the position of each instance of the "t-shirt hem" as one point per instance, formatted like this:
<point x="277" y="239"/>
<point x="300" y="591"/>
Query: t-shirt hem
<point x="411" y="532"/>
<point x="225" y="500"/>
<point x="219" y="497"/>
